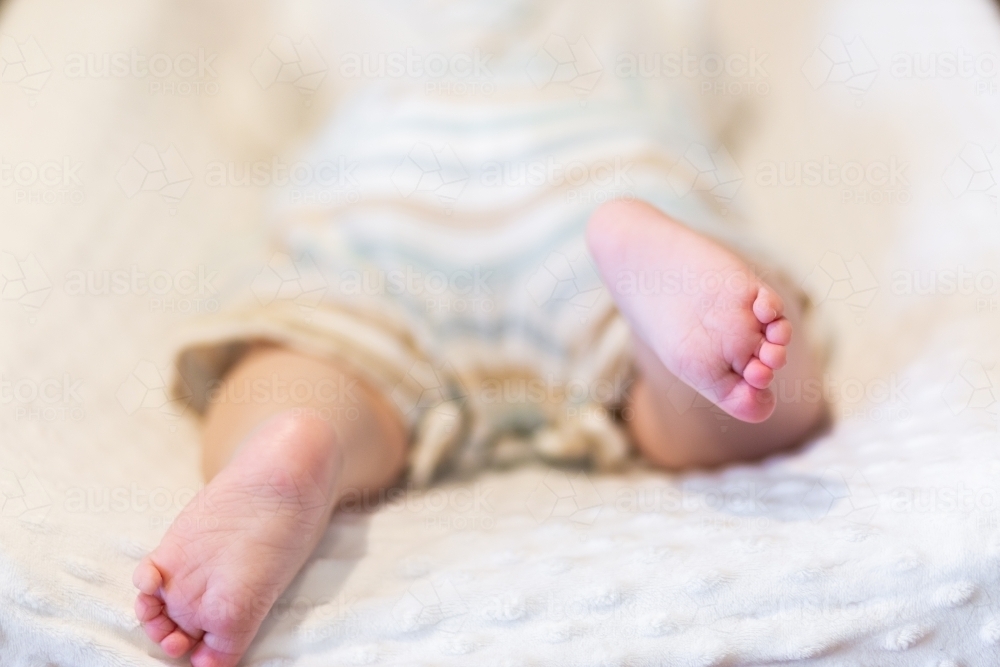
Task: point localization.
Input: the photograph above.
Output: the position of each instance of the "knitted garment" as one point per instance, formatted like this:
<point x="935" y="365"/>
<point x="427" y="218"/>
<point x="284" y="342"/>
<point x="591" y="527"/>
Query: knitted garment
<point x="432" y="241"/>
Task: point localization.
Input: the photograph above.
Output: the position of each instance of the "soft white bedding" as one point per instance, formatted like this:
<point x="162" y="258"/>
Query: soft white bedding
<point x="877" y="544"/>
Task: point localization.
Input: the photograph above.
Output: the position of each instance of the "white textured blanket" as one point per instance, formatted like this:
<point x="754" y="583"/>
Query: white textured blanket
<point x="868" y="155"/>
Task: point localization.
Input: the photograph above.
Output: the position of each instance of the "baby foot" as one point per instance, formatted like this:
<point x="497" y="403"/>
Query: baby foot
<point x="696" y="304"/>
<point x="237" y="545"/>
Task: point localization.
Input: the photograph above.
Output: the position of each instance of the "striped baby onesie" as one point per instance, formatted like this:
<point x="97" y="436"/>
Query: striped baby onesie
<point x="442" y="259"/>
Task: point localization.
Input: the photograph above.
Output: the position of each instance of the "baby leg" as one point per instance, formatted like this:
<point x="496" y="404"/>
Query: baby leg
<point x="277" y="467"/>
<point x="718" y="331"/>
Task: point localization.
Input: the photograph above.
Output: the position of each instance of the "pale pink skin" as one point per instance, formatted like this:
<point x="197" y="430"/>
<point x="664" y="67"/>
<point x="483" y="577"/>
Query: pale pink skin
<point x="237" y="546"/>
<point x="276" y="475"/>
<point x="726" y="343"/>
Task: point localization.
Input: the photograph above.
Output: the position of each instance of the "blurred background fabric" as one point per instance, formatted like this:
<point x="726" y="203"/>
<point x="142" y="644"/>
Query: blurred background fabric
<point x="865" y="147"/>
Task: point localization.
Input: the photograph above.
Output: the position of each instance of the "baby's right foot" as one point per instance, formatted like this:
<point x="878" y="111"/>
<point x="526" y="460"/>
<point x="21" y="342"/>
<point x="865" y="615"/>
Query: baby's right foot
<point x="718" y="327"/>
<point x="236" y="547"/>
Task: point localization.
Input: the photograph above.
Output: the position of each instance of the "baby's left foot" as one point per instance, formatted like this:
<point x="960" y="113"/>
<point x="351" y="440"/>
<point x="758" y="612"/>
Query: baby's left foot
<point x="710" y="320"/>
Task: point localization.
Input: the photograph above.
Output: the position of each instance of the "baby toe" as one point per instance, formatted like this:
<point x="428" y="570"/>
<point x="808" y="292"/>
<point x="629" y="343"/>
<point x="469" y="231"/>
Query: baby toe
<point x="147" y="577"/>
<point x="159" y="627"/>
<point x="768" y="306"/>
<point x="147" y="607"/>
<point x="206" y="656"/>
<point x="757" y="374"/>
<point x="177" y="643"/>
<point x="779" y="332"/>
<point x="773" y="356"/>
<point x="749" y="404"/>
